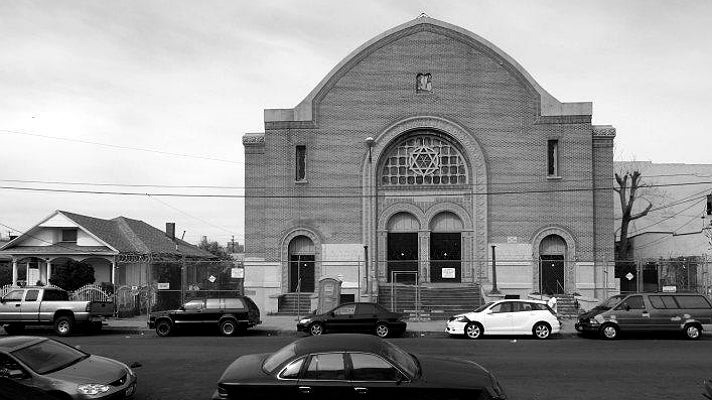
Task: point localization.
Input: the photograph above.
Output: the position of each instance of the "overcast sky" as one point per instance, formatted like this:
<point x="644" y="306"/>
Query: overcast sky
<point x="191" y="77"/>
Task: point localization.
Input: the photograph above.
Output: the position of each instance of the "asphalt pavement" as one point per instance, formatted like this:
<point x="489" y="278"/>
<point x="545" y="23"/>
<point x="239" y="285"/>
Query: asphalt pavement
<point x="651" y="367"/>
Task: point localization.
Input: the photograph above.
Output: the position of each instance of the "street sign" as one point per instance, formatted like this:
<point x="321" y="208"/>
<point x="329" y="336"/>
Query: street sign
<point x="212" y="279"/>
<point x="629" y="276"/>
<point x="164" y="285"/>
<point x="670" y="289"/>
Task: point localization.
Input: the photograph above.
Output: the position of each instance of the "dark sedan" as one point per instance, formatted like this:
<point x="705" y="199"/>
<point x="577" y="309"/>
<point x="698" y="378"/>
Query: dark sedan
<point x="350" y="366"/>
<point x="62" y="371"/>
<point x="355" y="318"/>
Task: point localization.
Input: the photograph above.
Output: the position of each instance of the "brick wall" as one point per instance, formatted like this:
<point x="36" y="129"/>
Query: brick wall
<point x="473" y="88"/>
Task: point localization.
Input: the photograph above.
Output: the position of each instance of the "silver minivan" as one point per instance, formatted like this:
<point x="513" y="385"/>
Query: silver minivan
<point x="689" y="313"/>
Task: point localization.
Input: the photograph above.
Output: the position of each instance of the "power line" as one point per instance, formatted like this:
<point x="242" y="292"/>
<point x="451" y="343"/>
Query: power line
<point x="189" y="215"/>
<point x="324" y="196"/>
<point x="110" y="184"/>
<point x="116" y="146"/>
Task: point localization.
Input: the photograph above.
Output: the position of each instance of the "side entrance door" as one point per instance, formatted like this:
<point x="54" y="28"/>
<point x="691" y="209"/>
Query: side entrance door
<point x="551" y="269"/>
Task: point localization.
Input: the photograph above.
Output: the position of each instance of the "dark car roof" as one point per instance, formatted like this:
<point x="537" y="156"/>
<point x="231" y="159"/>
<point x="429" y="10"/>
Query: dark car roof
<point x="338" y="342"/>
<point x="13" y="343"/>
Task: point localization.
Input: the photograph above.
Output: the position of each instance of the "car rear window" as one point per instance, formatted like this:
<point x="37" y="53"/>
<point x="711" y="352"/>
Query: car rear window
<point x="234" y="303"/>
<point x="692" y="302"/>
<point x="55" y="295"/>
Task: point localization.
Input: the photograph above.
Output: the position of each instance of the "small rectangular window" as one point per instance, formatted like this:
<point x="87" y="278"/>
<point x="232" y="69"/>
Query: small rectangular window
<point x="553" y="157"/>
<point x="32" y="295"/>
<point x="69" y="235"/>
<point x="301" y="163"/>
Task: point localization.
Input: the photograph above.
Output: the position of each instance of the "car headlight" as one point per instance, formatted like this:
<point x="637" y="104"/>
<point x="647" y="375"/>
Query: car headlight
<point x="93" y="389"/>
<point x="593" y="321"/>
<point x="462" y="318"/>
<point x="304" y="321"/>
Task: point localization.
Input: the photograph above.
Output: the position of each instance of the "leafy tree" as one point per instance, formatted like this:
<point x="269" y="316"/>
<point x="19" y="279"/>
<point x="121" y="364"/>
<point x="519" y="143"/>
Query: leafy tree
<point x="214" y="248"/>
<point x="72" y="275"/>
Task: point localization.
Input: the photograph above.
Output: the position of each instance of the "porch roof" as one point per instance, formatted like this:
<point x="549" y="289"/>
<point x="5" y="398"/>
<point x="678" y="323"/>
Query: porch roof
<point x="58" y="248"/>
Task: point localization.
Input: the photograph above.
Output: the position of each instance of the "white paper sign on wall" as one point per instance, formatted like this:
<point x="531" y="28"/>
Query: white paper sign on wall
<point x="163" y="285"/>
<point x="448" y="273"/>
<point x="212" y="279"/>
<point x="237" y="273"/>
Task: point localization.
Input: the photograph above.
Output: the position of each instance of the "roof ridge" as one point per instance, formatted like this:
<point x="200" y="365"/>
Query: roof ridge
<point x="130" y="235"/>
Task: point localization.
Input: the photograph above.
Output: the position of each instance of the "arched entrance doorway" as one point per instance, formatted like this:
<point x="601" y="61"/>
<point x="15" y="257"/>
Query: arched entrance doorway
<point x="552" y="256"/>
<point x="403" y="248"/>
<point x="301" y="264"/>
<point x="446" y="248"/>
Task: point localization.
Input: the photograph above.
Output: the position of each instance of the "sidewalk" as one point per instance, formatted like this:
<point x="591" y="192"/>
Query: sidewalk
<point x="286" y="325"/>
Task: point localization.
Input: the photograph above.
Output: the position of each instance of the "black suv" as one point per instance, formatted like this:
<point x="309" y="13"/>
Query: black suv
<point x="230" y="315"/>
<point x="355" y="317"/>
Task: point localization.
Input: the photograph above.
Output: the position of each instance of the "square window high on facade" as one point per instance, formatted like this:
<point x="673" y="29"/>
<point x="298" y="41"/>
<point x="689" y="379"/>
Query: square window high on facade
<point x="69" y="235"/>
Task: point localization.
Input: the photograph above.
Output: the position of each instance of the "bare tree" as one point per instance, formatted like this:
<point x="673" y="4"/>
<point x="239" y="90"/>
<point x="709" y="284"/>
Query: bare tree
<point x="628" y="185"/>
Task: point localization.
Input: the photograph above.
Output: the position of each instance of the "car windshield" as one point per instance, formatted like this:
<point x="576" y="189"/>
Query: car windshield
<point x="49" y="356"/>
<point x="612" y="301"/>
<point x="406" y="361"/>
<point x="275" y="360"/>
<point x="483" y="307"/>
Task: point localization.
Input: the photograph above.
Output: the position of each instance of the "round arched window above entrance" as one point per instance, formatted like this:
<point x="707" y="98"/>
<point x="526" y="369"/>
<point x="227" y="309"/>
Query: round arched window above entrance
<point x="424" y="158"/>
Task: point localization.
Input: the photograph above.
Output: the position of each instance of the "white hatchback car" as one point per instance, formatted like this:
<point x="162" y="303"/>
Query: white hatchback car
<point x="506" y="317"/>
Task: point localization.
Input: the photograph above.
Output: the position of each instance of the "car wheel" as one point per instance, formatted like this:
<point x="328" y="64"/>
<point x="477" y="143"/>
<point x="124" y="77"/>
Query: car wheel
<point x="473" y="330"/>
<point x="64" y="325"/>
<point x="316" y="329"/>
<point x="609" y="331"/>
<point x="541" y="330"/>
<point x="693" y="332"/>
<point x="14" y="329"/>
<point x="163" y="328"/>
<point x="228" y="327"/>
<point x="382" y="330"/>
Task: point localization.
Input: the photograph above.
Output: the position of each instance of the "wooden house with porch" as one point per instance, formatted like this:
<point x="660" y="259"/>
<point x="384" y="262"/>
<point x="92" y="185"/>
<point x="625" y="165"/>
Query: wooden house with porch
<point x="121" y="250"/>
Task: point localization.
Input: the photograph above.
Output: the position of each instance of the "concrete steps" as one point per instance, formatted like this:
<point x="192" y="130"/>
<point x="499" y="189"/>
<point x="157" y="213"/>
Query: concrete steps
<point x="293" y="304"/>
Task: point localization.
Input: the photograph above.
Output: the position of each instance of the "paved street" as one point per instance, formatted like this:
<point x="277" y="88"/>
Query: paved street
<point x="187" y="367"/>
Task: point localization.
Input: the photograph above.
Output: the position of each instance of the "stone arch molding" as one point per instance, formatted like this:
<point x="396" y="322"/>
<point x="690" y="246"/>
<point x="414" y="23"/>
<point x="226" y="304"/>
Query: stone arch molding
<point x="394" y="209"/>
<point x="284" y="250"/>
<point x="456" y="209"/>
<point x="560" y="231"/>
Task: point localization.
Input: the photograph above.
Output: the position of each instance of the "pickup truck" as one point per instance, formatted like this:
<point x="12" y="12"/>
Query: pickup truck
<point x="50" y="306"/>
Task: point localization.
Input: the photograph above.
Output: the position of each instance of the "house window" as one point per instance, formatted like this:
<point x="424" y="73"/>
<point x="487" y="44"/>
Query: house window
<point x="301" y="163"/>
<point x="553" y="157"/>
<point x="69" y="235"/>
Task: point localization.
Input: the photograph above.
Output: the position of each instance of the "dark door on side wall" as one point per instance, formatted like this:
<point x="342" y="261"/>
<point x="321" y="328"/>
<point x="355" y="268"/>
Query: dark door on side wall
<point x="445" y="257"/>
<point x="403" y="256"/>
<point x="301" y="268"/>
<point x="551" y="270"/>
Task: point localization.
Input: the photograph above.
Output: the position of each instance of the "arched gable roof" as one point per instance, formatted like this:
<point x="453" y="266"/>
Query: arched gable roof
<point x="549" y="106"/>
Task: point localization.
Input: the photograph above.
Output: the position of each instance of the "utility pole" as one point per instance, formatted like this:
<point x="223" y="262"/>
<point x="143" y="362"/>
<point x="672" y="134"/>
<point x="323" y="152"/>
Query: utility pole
<point x="494" y="273"/>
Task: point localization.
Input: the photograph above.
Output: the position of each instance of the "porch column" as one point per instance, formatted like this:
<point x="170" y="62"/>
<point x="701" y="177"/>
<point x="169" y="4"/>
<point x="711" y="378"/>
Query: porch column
<point x="14" y="272"/>
<point x="424" y="256"/>
<point x="49" y="270"/>
<point x="113" y="272"/>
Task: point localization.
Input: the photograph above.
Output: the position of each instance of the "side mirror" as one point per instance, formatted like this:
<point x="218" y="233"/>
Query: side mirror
<point x="627" y="307"/>
<point x="182" y="308"/>
<point x="135" y="364"/>
<point x="2" y="300"/>
<point x="331" y="314"/>
<point x="314" y="312"/>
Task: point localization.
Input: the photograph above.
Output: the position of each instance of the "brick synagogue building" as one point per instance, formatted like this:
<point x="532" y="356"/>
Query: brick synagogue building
<point x="417" y="156"/>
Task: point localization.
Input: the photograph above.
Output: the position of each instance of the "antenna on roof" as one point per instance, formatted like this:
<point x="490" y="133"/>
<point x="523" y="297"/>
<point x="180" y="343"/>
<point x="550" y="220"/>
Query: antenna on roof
<point x="423" y="15"/>
<point x="182" y="236"/>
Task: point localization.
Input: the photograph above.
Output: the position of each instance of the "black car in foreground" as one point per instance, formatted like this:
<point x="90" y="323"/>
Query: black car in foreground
<point x="355" y="318"/>
<point x="229" y="315"/>
<point x="351" y="366"/>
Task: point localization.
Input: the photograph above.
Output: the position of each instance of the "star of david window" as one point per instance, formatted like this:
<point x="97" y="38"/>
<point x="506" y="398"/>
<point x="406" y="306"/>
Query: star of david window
<point x="424" y="159"/>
